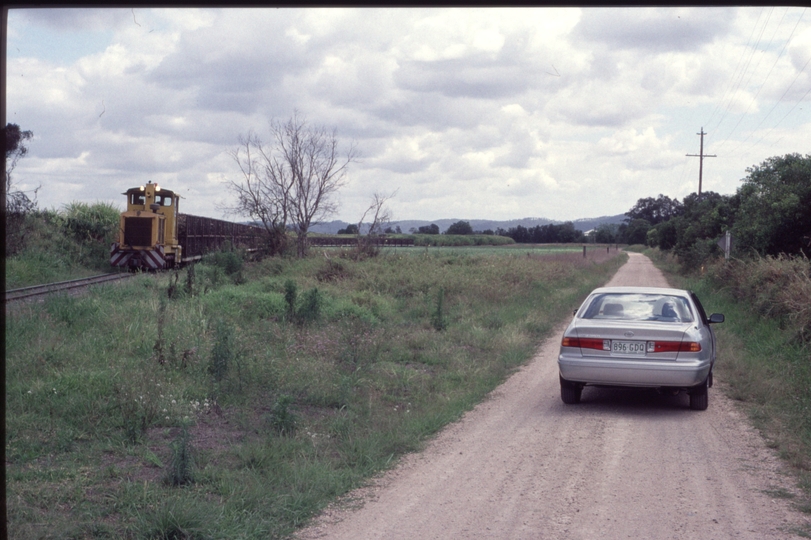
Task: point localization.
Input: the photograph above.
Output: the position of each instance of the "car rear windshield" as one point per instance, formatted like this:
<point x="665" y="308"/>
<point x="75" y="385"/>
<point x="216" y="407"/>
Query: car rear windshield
<point x="639" y="307"/>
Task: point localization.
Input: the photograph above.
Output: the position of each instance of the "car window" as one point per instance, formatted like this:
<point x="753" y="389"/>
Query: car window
<point x="639" y="307"/>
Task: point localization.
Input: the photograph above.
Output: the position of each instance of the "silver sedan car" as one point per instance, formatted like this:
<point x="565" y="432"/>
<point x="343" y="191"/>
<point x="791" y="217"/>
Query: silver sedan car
<point x="639" y="336"/>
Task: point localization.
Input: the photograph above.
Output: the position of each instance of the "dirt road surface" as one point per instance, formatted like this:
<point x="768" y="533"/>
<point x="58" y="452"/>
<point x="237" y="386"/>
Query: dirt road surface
<point x="622" y="464"/>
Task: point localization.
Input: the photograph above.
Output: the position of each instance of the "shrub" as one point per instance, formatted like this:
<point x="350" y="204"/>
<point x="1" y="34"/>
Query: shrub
<point x="181" y="468"/>
<point x="438" y="317"/>
<point x="776" y="286"/>
<point x="223" y="351"/>
<point x="282" y="418"/>
<point x="290" y="293"/>
<point x="310" y="308"/>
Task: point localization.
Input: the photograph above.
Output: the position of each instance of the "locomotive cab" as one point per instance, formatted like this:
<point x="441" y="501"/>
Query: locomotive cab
<point x="147" y="236"/>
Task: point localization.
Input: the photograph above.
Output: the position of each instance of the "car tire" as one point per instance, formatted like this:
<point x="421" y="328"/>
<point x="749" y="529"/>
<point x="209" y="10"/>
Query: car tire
<point x="570" y="392"/>
<point x="700" y="396"/>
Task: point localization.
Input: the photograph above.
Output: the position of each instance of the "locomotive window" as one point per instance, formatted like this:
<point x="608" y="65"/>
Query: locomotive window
<point x="137" y="198"/>
<point x="163" y="200"/>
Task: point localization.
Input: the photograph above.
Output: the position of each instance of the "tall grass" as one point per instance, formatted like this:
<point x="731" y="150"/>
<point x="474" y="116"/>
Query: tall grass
<point x="461" y="240"/>
<point x="764" y="349"/>
<point x="59" y="245"/>
<point x="283" y="413"/>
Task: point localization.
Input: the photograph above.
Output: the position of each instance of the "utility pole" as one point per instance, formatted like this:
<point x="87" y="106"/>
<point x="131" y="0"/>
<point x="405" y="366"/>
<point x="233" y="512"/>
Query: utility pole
<point x="701" y="155"/>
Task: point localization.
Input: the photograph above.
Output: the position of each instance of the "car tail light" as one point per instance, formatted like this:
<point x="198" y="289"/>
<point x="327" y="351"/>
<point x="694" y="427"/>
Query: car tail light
<point x="587" y="343"/>
<point x="674" y="346"/>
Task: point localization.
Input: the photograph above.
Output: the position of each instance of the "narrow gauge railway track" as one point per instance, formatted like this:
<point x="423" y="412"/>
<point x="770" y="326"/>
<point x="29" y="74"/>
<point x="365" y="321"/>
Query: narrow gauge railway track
<point x="29" y="293"/>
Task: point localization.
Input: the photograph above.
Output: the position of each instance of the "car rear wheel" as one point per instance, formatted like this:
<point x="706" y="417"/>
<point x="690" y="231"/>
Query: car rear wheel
<point x="570" y="392"/>
<point x="699" y="396"/>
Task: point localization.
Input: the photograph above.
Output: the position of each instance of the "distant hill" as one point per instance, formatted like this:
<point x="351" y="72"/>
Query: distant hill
<point x="586" y="224"/>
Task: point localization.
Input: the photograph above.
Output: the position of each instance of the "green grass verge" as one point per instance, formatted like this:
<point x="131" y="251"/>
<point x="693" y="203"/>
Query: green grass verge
<point x="765" y="368"/>
<point x="254" y="396"/>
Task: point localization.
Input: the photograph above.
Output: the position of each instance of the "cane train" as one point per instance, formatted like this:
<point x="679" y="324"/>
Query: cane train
<point x="153" y="235"/>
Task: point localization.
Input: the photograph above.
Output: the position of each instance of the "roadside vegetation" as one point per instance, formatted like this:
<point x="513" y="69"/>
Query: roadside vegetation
<point x="57" y="245"/>
<point x="765" y="346"/>
<point x="235" y="400"/>
<point x="764" y="289"/>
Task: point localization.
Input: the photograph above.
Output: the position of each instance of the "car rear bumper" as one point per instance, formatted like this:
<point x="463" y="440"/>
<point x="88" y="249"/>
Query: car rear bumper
<point x="635" y="372"/>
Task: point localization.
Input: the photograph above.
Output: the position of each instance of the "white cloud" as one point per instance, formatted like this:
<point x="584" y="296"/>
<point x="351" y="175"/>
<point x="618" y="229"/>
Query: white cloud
<point x="472" y="113"/>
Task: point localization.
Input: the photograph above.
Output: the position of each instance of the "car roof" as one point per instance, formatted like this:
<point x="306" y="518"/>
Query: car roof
<point x="641" y="290"/>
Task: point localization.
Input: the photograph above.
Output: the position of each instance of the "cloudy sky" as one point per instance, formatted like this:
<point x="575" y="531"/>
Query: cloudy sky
<point x="467" y="113"/>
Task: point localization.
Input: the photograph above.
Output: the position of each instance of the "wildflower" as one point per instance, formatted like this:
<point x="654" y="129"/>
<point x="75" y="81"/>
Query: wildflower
<point x="30" y="392"/>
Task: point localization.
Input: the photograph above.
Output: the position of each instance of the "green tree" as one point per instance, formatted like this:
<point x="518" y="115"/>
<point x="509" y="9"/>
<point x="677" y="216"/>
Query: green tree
<point x="567" y="234"/>
<point x="606" y="233"/>
<point x="665" y="234"/>
<point x="18" y="203"/>
<point x="655" y="211"/>
<point x="636" y="232"/>
<point x="774" y="207"/>
<point x="460" y="227"/>
<point x="429" y="229"/>
<point x="350" y="229"/>
<point x="705" y="219"/>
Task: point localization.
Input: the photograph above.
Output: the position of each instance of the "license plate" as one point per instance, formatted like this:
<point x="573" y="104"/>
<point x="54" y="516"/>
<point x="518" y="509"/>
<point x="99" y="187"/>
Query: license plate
<point x="628" y="347"/>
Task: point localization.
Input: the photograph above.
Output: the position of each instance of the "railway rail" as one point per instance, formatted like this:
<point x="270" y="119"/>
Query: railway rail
<point x="28" y="293"/>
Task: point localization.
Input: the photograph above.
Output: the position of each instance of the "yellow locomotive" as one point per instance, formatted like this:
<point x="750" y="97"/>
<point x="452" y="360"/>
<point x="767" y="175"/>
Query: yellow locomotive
<point x="153" y="235"/>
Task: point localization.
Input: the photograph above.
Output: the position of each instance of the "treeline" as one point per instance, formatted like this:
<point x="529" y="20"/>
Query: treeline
<point x="540" y="234"/>
<point x="544" y="234"/>
<point x="769" y="215"/>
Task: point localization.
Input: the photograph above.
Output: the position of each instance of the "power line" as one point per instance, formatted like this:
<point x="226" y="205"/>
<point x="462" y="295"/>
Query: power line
<point x="784" y="93"/>
<point x="735" y="75"/>
<point x="754" y="49"/>
<point x="788" y="113"/>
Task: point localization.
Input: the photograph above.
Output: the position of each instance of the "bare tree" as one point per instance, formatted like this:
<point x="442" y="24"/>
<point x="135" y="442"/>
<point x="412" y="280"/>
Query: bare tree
<point x="294" y="181"/>
<point x="380" y="215"/>
<point x="264" y="191"/>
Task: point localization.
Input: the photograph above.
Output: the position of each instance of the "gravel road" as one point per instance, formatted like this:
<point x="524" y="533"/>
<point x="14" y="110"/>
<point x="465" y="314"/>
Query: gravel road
<point x="622" y="464"/>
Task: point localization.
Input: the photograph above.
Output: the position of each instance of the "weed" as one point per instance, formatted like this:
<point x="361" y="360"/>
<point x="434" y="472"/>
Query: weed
<point x="332" y="271"/>
<point x="158" y="347"/>
<point x="290" y="293"/>
<point x="178" y="519"/>
<point x="310" y="308"/>
<point x="438" y="316"/>
<point x="181" y="468"/>
<point x="138" y="408"/>
<point x="222" y="353"/>
<point x="172" y="291"/>
<point x="282" y="419"/>
<point x="190" y="279"/>
<point x="227" y="259"/>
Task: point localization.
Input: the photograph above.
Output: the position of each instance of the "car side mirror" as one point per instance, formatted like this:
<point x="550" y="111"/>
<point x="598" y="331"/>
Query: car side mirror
<point x="575" y="312"/>
<point x="716" y="318"/>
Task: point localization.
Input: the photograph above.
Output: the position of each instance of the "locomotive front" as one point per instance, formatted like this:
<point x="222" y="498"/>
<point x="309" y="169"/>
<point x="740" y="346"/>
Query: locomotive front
<point x="147" y="236"/>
